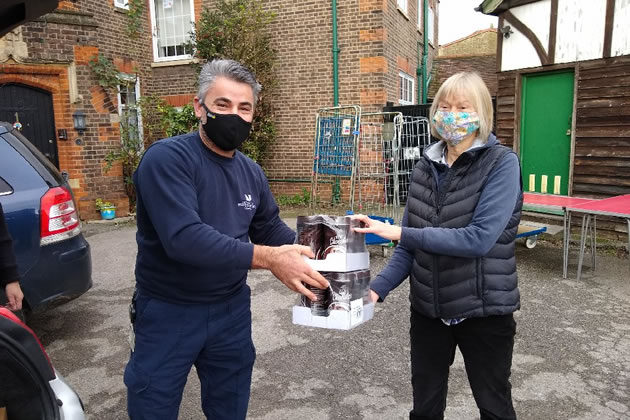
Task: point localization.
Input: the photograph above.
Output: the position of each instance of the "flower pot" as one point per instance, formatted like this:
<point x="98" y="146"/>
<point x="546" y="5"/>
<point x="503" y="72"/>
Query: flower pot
<point x="108" y="213"/>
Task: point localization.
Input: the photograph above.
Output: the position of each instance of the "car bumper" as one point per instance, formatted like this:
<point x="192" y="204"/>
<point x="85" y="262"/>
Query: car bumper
<point x="71" y="406"/>
<point x="63" y="272"/>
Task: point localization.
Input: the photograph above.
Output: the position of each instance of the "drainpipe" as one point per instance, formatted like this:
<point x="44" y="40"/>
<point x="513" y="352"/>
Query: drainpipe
<point x="335" y="51"/>
<point x="419" y="77"/>
<point x="336" y="189"/>
<point x="425" y="52"/>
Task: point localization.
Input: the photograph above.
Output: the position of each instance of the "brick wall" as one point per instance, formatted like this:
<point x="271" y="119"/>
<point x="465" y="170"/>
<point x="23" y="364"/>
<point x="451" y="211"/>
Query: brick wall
<point x="59" y="48"/>
<point x="305" y="84"/>
<point x="401" y="46"/>
<point x="481" y="42"/>
<point x="475" y="52"/>
<point x="445" y="67"/>
<point x="374" y="38"/>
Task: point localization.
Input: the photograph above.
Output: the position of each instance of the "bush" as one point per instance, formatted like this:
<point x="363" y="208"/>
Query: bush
<point x="303" y="199"/>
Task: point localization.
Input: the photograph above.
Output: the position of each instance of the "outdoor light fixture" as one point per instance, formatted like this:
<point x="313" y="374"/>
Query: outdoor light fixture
<point x="79" y="121"/>
<point x="506" y="31"/>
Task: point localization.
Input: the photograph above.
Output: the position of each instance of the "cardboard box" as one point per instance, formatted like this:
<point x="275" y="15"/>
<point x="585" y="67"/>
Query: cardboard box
<point x="343" y="305"/>
<point x="343" y="259"/>
<point x="341" y="262"/>
<point x="337" y="247"/>
<point x="359" y="313"/>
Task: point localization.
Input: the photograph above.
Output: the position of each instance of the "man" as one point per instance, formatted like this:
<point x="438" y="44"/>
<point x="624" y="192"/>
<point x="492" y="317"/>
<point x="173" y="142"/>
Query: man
<point x="9" y="278"/>
<point x="199" y="202"/>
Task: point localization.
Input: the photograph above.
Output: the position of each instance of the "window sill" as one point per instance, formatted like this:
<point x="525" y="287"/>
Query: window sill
<point x="181" y="62"/>
<point x="119" y="9"/>
<point x="402" y="12"/>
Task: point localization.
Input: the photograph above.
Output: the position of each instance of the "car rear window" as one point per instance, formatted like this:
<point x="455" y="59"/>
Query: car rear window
<point x="41" y="164"/>
<point x="5" y="188"/>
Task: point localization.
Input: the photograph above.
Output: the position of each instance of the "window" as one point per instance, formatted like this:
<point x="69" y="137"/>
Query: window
<point x="406" y="83"/>
<point x="130" y="117"/>
<point x="402" y="5"/>
<point x="419" y="8"/>
<point x="430" y="28"/>
<point x="123" y="4"/>
<point x="172" y="23"/>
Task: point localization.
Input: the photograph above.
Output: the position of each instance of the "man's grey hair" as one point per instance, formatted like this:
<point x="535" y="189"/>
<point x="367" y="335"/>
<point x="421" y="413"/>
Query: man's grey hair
<point x="229" y="69"/>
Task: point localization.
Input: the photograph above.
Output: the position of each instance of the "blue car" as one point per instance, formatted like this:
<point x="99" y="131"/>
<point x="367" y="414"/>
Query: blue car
<point x="53" y="257"/>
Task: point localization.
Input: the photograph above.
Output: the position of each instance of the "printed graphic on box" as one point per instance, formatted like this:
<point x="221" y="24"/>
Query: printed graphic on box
<point x="345" y="288"/>
<point x="337" y="247"/>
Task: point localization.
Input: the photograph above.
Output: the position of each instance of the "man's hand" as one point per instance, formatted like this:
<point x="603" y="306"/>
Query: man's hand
<point x="373" y="296"/>
<point x="287" y="264"/>
<point x="379" y="228"/>
<point x="14" y="296"/>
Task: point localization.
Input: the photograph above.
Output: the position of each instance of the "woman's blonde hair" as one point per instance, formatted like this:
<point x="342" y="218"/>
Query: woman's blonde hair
<point x="470" y="86"/>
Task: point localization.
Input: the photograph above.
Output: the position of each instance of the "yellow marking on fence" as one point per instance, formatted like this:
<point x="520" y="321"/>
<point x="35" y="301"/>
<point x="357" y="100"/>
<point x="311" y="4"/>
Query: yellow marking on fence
<point x="556" y="184"/>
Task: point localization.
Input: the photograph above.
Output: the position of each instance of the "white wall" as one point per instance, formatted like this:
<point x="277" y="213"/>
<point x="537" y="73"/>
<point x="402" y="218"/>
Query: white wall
<point x="621" y="29"/>
<point x="580" y="33"/>
<point x="518" y="51"/>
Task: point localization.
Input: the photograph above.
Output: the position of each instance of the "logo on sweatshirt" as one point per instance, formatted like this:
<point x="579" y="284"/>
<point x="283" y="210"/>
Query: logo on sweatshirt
<point x="247" y="203"/>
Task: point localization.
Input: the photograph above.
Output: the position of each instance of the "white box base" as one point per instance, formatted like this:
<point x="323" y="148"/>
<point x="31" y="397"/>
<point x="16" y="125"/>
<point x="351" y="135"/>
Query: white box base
<point x="337" y="320"/>
<point x="340" y="262"/>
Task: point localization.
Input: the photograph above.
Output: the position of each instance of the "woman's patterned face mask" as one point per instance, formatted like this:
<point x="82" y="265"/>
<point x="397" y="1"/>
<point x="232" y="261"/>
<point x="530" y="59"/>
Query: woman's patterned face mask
<point x="454" y="127"/>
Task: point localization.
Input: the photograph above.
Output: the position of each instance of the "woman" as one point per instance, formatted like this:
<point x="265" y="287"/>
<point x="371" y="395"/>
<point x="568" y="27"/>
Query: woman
<point x="457" y="245"/>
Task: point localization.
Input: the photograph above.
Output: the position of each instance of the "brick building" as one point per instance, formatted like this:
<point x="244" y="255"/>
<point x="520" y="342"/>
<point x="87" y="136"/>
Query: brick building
<point x="476" y="52"/>
<point x="45" y="79"/>
<point x="46" y="62"/>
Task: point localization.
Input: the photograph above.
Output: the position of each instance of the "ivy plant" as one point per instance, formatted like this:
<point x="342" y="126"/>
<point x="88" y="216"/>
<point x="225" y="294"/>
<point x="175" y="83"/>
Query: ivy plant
<point x="105" y="71"/>
<point x="135" y="18"/>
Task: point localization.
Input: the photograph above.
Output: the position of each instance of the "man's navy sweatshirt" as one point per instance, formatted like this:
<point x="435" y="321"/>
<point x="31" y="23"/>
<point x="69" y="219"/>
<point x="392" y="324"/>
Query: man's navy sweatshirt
<point x="196" y="214"/>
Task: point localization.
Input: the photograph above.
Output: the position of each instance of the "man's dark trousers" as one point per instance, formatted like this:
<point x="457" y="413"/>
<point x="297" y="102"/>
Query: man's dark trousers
<point x="486" y="345"/>
<point x="170" y="338"/>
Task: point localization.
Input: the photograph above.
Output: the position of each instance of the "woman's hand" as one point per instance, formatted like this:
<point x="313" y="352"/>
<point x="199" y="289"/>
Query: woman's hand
<point x="381" y="229"/>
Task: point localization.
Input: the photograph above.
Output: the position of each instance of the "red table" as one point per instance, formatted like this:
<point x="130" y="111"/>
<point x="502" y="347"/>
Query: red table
<point x="552" y="202"/>
<point x="618" y="206"/>
<point x="548" y="203"/>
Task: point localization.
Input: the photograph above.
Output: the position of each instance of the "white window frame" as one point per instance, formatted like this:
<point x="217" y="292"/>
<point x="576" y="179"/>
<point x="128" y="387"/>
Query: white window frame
<point x="419" y="15"/>
<point x="154" y="33"/>
<point x="406" y="84"/>
<point x="122" y="4"/>
<point x="130" y="78"/>
<point x="403" y="5"/>
<point x="431" y="26"/>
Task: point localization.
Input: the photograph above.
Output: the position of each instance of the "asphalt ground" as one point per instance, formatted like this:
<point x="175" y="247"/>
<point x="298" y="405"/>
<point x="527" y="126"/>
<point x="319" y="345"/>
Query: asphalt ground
<point x="571" y="358"/>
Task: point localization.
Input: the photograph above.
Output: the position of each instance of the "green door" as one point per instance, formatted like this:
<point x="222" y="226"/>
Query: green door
<point x="545" y="145"/>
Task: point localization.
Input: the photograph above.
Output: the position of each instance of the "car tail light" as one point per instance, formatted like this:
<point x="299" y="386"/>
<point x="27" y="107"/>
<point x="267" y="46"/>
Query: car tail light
<point x="59" y="217"/>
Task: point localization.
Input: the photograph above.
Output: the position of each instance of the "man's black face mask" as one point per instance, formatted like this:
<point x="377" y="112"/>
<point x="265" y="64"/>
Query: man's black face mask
<point x="227" y="131"/>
